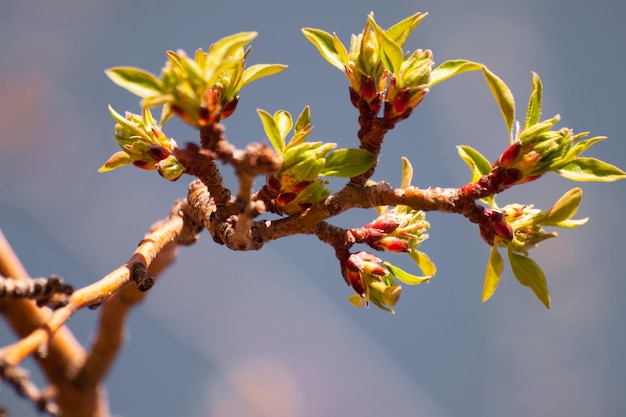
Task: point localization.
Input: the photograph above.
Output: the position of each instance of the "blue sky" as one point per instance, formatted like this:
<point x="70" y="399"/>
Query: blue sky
<point x="271" y="333"/>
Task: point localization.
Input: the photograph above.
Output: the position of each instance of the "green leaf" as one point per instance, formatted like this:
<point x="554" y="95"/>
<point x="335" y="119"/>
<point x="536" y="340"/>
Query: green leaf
<point x="392" y="52"/>
<point x="580" y="147"/>
<point x="564" y="208"/>
<point x="135" y="80"/>
<point x="401" y="31"/>
<point x="533" y="113"/>
<point x="475" y="161"/>
<point x="570" y="224"/>
<point x="504" y="98"/>
<point x="347" y="163"/>
<point x="117" y="160"/>
<point x="258" y="71"/>
<point x="271" y="131"/>
<point x="325" y="44"/>
<point x="341" y="49"/>
<point x="495" y="265"/>
<point x="530" y="275"/>
<point x="423" y="262"/>
<point x="590" y="169"/>
<point x="283" y="123"/>
<point x="225" y="53"/>
<point x="499" y="89"/>
<point x="304" y="119"/>
<point x="407" y="173"/>
<point x="127" y="124"/>
<point x="404" y="276"/>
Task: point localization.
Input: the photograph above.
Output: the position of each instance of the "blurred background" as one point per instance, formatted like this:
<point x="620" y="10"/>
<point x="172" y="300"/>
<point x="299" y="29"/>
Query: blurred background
<point x="271" y="333"/>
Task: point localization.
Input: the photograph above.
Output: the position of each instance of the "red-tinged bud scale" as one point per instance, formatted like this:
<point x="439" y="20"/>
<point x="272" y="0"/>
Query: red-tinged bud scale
<point x="384" y="224"/>
<point x="368" y="88"/>
<point x="390" y="244"/>
<point x="158" y="152"/>
<point x="352" y="276"/>
<point x="510" y="154"/>
<point x="354" y="97"/>
<point x="504" y="230"/>
<point x="401" y="101"/>
<point x="144" y="165"/>
<point x="285" y="198"/>
<point x="229" y="108"/>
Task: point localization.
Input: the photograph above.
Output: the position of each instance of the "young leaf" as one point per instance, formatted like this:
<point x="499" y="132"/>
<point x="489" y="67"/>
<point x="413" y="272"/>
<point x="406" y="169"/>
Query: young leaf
<point x="504" y="98"/>
<point x="347" y="163"/>
<point x="117" y="160"/>
<point x="283" y="123"/>
<point x="325" y="44"/>
<point x="304" y="119"/>
<point x="475" y="160"/>
<point x="135" y="80"/>
<point x="401" y="31"/>
<point x="564" y="208"/>
<point x="255" y="72"/>
<point x="533" y="112"/>
<point x="530" y="275"/>
<point x="404" y="276"/>
<point x="224" y="53"/>
<point x="423" y="262"/>
<point x="499" y="89"/>
<point x="495" y="265"/>
<point x="392" y="52"/>
<point x="590" y="169"/>
<point x="271" y="131"/>
<point x="407" y="173"/>
<point x="583" y="145"/>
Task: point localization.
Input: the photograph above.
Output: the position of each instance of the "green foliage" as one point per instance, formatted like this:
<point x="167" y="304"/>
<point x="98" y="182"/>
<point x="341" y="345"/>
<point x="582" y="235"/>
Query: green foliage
<point x="386" y="85"/>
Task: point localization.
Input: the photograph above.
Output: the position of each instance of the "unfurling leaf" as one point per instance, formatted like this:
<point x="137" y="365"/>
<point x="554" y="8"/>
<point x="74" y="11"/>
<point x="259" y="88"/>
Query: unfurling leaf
<point x="495" y="265"/>
<point x="326" y="45"/>
<point x="530" y="275"/>
<point x="135" y="80"/>
<point x="533" y="113"/>
<point x="564" y="208"/>
<point x="499" y="89"/>
<point x="402" y="30"/>
<point x="590" y="169"/>
<point x="272" y="131"/>
<point x="258" y="71"/>
<point x="392" y="52"/>
<point x="475" y="160"/>
<point x="404" y="276"/>
<point x="407" y="173"/>
<point x="424" y="263"/>
<point x="347" y="163"/>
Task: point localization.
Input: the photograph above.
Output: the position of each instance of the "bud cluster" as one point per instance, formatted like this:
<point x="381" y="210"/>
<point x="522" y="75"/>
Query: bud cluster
<point x="400" y="229"/>
<point x="144" y="145"/>
<point x="370" y="280"/>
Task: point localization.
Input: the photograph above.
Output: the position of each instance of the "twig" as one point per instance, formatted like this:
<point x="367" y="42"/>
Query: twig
<point x="101" y="290"/>
<point x="18" y="378"/>
<point x="42" y="290"/>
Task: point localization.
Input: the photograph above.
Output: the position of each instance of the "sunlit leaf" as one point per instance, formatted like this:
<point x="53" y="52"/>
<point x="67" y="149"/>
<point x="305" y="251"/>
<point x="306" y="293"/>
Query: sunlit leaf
<point x="580" y="147"/>
<point x="499" y="89"/>
<point x="117" y="160"/>
<point x="283" y="123"/>
<point x="479" y="165"/>
<point x="135" y="80"/>
<point x="404" y="276"/>
<point x="271" y="131"/>
<point x="347" y="163"/>
<point x="403" y="29"/>
<point x="533" y="113"/>
<point x="392" y="52"/>
<point x="564" y="208"/>
<point x="495" y="265"/>
<point x="590" y="169"/>
<point x="407" y="173"/>
<point x="530" y="275"/>
<point x="258" y="71"/>
<point x="325" y="44"/>
<point x="423" y="262"/>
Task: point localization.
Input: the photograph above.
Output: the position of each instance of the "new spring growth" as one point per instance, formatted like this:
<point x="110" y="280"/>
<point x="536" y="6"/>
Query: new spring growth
<point x="200" y="90"/>
<point x="371" y="281"/>
<point x="144" y="145"/>
<point x="537" y="149"/>
<point x="400" y="229"/>
<point x="377" y="68"/>
<point x="297" y="184"/>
